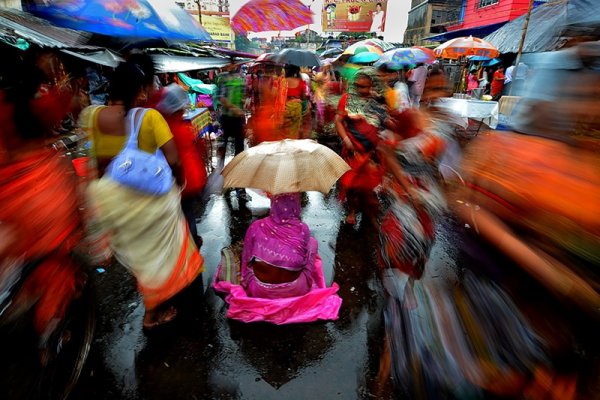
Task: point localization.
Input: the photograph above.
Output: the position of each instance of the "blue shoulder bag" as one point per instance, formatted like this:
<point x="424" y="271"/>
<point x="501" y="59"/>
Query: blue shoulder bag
<point x="137" y="169"/>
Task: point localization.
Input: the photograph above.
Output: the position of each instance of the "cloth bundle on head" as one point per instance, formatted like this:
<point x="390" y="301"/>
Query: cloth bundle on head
<point x="173" y="99"/>
<point x="281" y="239"/>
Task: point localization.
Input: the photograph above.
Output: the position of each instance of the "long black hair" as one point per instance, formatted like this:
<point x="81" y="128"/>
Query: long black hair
<point x="131" y="77"/>
<point x="20" y="79"/>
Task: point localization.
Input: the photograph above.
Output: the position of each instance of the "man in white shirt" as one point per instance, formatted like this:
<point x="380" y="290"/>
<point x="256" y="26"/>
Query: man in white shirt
<point x="418" y="76"/>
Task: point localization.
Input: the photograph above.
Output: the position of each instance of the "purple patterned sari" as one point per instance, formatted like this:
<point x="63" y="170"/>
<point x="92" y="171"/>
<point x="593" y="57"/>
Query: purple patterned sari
<point x="283" y="241"/>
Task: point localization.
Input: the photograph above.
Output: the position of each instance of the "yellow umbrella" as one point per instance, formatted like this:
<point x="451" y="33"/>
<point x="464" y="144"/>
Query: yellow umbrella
<point x="286" y="166"/>
<point x="466" y="46"/>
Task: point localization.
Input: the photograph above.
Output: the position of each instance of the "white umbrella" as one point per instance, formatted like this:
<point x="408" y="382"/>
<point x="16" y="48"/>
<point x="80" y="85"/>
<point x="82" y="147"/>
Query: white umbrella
<point x="286" y="166"/>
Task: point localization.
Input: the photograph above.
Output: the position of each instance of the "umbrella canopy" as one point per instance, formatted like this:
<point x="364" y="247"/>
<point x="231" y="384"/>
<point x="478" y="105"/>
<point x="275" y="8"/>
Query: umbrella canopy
<point x="271" y="15"/>
<point x="466" y="46"/>
<point x="123" y="18"/>
<point x="365" y="58"/>
<point x="286" y="166"/>
<point x="264" y="57"/>
<point x="332" y="53"/>
<point x="300" y="58"/>
<point x="361" y="47"/>
<point x="384" y="46"/>
<point x="428" y="52"/>
<point x="399" y="58"/>
<point x="492" y="62"/>
<point x="478" y="58"/>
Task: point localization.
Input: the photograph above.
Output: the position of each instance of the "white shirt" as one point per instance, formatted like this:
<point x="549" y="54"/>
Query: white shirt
<point x="418" y="76"/>
<point x="508" y="75"/>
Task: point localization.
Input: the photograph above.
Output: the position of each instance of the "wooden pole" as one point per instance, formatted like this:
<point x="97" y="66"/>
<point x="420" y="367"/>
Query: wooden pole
<point x="522" y="44"/>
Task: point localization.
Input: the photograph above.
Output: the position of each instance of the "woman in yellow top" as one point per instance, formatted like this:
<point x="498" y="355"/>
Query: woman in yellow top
<point x="148" y="234"/>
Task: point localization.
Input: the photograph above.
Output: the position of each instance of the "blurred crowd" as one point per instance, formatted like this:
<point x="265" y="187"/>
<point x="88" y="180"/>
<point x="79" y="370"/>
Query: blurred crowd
<point x="531" y="193"/>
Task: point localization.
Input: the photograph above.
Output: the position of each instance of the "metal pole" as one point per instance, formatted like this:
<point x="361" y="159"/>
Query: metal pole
<point x="522" y="44"/>
<point x="199" y="4"/>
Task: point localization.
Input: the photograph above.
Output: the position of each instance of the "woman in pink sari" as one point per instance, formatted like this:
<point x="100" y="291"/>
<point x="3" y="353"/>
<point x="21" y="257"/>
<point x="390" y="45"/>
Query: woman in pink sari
<point x="281" y="272"/>
<point x="279" y="254"/>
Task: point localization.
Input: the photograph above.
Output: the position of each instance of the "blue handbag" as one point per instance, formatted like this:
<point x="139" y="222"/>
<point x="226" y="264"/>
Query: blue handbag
<point x="137" y="169"/>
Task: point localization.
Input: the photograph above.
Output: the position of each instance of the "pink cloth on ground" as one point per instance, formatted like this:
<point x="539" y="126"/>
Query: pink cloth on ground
<point x="320" y="303"/>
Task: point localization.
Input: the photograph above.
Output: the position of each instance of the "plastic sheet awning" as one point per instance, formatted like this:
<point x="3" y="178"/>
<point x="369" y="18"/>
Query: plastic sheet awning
<point x="14" y="23"/>
<point x="545" y="31"/>
<point x="584" y="13"/>
<point x="100" y="57"/>
<point x="170" y="64"/>
<point x="550" y="26"/>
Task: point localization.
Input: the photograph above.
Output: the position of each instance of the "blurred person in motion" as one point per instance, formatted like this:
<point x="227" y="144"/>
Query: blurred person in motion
<point x="148" y="233"/>
<point x="534" y="195"/>
<point x="41" y="224"/>
<point x="396" y="93"/>
<point x="231" y="95"/>
<point x="360" y="119"/>
<point x="513" y="178"/>
<point x="417" y="78"/>
<point x="173" y="103"/>
<point x="498" y="83"/>
<point x="294" y="91"/>
<point x="442" y="336"/>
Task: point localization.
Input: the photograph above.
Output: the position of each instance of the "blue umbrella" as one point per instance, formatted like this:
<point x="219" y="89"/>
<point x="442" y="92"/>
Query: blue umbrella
<point x="123" y="18"/>
<point x="479" y="58"/>
<point x="364" y="58"/>
<point x="492" y="62"/>
<point x="399" y="58"/>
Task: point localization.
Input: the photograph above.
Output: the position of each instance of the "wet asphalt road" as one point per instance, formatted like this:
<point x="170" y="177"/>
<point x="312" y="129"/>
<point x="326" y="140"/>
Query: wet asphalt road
<point x="202" y="355"/>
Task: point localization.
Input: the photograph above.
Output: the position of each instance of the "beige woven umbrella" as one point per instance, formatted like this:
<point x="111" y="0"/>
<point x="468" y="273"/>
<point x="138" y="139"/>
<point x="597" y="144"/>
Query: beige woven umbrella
<point x="285" y="166"/>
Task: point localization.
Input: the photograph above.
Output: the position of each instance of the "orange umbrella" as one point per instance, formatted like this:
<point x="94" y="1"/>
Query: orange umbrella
<point x="466" y="46"/>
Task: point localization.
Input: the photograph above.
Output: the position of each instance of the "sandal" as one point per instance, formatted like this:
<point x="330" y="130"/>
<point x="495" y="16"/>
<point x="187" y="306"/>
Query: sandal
<point x="163" y="317"/>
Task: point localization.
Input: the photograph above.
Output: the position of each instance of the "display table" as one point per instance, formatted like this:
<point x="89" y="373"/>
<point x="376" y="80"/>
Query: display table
<point x="485" y="112"/>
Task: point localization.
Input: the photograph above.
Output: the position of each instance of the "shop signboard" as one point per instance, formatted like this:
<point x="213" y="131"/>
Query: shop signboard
<point x="354" y="16"/>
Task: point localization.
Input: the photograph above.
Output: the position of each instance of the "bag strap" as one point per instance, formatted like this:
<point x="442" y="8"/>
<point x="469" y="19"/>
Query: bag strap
<point x="135" y="120"/>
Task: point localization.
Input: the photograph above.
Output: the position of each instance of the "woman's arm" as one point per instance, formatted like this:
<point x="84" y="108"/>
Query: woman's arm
<point x="552" y="273"/>
<point x="170" y="151"/>
<point x="342" y="132"/>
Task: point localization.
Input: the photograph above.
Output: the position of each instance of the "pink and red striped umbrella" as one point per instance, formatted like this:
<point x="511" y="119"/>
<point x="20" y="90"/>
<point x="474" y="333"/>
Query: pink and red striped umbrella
<point x="271" y="15"/>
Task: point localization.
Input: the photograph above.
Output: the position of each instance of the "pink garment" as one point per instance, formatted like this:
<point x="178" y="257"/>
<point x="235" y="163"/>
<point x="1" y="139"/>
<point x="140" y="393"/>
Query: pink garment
<point x="320" y="303"/>
<point x="281" y="239"/>
<point x="472" y="83"/>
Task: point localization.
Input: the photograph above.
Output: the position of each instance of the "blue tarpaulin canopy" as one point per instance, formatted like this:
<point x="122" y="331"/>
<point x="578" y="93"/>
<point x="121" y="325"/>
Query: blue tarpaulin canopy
<point x="479" y="32"/>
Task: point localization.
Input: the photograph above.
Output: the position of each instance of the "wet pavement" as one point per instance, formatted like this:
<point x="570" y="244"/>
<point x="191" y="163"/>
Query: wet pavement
<point x="202" y="355"/>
